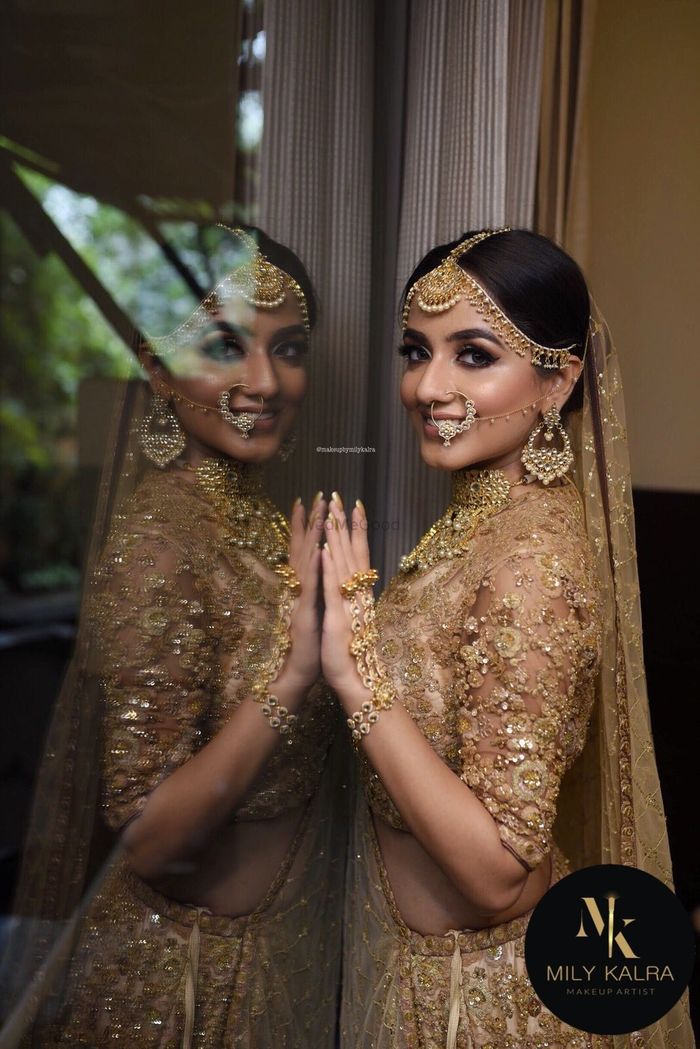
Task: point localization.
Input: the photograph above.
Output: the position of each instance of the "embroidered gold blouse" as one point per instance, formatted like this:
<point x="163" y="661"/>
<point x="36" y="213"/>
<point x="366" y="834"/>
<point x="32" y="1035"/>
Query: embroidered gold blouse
<point x="183" y="620"/>
<point x="494" y="654"/>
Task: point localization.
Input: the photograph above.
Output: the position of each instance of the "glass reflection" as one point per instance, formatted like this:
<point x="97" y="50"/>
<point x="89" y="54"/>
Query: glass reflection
<point x="192" y="758"/>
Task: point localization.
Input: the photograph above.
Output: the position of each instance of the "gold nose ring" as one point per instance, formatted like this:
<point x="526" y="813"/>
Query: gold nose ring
<point x="448" y="428"/>
<point x="243" y="421"/>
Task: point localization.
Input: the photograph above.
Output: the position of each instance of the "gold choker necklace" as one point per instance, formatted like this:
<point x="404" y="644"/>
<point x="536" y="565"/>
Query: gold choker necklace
<point x="250" y="519"/>
<point x="476" y="494"/>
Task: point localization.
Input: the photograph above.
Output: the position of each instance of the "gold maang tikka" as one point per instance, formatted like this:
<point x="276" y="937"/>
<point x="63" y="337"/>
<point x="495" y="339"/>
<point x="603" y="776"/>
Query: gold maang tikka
<point x="448" y="283"/>
<point x="257" y="281"/>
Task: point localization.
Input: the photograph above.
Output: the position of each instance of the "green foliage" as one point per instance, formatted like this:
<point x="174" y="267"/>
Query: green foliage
<point x="53" y="336"/>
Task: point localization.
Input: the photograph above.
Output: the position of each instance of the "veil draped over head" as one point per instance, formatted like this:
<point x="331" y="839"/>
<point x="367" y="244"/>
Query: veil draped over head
<point x="69" y="849"/>
<point x="610" y="808"/>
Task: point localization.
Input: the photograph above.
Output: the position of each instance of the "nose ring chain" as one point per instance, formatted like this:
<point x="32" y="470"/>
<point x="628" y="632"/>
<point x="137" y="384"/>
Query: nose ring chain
<point x="243" y="421"/>
<point x="448" y="428"/>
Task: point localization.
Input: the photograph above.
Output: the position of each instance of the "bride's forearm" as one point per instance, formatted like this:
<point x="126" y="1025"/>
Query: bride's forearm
<point x="439" y="809"/>
<point x="188" y="806"/>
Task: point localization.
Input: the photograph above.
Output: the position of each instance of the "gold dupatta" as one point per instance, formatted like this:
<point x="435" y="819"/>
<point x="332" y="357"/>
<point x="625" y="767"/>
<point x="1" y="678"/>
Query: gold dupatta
<point x="610" y="807"/>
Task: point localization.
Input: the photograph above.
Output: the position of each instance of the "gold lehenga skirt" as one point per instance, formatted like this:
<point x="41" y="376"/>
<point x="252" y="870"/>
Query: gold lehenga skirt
<point x="398" y="985"/>
<point x="148" y="971"/>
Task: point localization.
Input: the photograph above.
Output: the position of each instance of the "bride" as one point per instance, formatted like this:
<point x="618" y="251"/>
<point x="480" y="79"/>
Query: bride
<point x="216" y="920"/>
<point x="498" y="683"/>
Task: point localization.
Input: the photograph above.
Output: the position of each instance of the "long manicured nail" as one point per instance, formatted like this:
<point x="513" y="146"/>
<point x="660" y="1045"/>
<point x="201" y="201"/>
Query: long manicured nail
<point x="361" y="506"/>
<point x="338" y="500"/>
<point x="296" y="503"/>
<point x="319" y="495"/>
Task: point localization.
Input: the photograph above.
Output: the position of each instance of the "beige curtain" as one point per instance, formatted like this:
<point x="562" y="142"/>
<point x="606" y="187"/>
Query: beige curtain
<point x="315" y="196"/>
<point x="561" y="199"/>
<point x="388" y="128"/>
<point x="470" y="151"/>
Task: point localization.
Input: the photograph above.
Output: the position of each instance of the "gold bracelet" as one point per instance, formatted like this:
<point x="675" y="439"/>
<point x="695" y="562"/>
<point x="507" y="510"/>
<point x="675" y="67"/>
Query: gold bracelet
<point x="358" y="581"/>
<point x="362" y="720"/>
<point x="277" y="715"/>
<point x="372" y="673"/>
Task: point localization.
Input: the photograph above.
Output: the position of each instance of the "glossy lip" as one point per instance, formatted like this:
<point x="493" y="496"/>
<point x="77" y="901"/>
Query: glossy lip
<point x="264" y="424"/>
<point x="429" y="429"/>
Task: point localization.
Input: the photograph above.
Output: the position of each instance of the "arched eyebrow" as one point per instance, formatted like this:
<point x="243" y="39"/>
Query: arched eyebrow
<point x="417" y="336"/>
<point x="456" y="336"/>
<point x="475" y="333"/>
<point x="288" y="332"/>
<point x="224" y="328"/>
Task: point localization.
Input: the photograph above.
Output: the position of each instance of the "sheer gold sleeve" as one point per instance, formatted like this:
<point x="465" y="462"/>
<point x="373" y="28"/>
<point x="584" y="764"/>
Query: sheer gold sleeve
<point x="528" y="655"/>
<point x="156" y="664"/>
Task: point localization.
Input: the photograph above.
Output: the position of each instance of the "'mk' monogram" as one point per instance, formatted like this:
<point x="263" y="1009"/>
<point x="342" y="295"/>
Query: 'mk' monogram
<point x="600" y="926"/>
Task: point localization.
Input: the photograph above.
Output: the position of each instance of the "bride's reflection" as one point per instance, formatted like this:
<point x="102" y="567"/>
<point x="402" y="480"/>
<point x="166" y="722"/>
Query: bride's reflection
<point x="218" y="922"/>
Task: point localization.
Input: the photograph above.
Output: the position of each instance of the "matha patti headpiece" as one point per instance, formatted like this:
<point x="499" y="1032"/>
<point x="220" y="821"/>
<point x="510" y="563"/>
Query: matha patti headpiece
<point x="448" y="283"/>
<point x="257" y="280"/>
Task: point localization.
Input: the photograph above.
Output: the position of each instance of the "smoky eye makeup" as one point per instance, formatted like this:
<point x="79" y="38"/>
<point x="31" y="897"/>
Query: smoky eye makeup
<point x="220" y="343"/>
<point x="289" y="344"/>
<point x="476" y="356"/>
<point x="291" y="350"/>
<point x="412" y="352"/>
<point x="470" y="353"/>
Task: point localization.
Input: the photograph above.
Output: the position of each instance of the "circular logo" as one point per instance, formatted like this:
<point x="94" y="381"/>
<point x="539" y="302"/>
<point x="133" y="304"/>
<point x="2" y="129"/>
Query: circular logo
<point x="609" y="949"/>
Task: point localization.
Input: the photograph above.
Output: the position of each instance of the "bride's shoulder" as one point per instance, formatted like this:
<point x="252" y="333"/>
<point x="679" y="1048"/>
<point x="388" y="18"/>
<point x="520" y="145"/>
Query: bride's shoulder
<point x="164" y="514"/>
<point x="544" y="523"/>
<point x="164" y="499"/>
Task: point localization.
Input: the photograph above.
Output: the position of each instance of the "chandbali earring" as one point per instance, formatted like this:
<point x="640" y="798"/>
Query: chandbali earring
<point x="287" y="447"/>
<point x="243" y="421"/>
<point x="162" y="438"/>
<point x="548" y="463"/>
<point x="448" y="428"/>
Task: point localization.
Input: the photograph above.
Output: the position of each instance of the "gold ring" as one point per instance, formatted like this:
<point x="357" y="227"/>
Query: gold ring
<point x="358" y="581"/>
